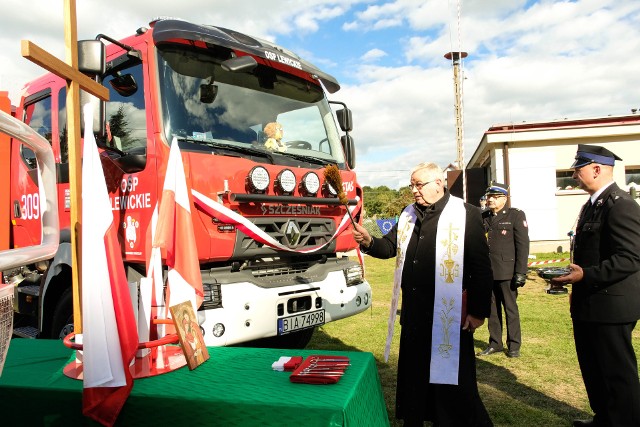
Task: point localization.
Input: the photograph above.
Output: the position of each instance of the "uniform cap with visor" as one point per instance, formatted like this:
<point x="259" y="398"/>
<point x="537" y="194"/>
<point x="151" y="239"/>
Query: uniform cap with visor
<point x="497" y="189"/>
<point x="588" y="154"/>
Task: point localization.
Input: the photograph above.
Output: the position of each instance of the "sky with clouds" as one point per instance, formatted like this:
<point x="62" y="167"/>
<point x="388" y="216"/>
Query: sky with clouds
<point x="527" y="60"/>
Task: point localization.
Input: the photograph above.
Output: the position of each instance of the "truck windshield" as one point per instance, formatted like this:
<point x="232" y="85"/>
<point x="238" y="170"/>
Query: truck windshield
<point x="202" y="102"/>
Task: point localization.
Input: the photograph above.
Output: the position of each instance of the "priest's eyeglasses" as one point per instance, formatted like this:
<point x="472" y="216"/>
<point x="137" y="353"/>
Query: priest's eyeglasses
<point x="418" y="185"/>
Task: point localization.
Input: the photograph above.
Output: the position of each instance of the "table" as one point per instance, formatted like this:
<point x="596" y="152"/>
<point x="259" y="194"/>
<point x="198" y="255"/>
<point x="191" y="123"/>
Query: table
<point x="235" y="387"/>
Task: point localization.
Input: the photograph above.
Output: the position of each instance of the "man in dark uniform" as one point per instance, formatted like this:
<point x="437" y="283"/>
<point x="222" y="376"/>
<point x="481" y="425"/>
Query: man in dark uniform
<point x="483" y="203"/>
<point x="418" y="398"/>
<point x="605" y="299"/>
<point x="508" y="237"/>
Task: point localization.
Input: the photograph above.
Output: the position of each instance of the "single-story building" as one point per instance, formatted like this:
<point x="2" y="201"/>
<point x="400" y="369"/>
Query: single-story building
<point x="534" y="159"/>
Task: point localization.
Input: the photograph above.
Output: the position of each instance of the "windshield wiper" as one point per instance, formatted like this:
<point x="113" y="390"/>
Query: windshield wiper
<point x="230" y="147"/>
<point x="309" y="159"/>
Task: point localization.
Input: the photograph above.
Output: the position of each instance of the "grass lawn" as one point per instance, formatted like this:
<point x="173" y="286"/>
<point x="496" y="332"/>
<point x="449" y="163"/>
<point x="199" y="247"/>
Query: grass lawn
<point x="541" y="388"/>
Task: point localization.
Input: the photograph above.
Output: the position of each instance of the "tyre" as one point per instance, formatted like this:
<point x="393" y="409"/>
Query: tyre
<point x="62" y="323"/>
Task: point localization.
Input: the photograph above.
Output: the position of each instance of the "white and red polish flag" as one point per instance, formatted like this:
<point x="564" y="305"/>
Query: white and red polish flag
<point x="110" y="335"/>
<point x="174" y="234"/>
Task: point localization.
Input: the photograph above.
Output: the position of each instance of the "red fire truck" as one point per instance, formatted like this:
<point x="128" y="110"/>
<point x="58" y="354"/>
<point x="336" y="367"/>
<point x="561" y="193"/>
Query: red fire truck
<point x="213" y="90"/>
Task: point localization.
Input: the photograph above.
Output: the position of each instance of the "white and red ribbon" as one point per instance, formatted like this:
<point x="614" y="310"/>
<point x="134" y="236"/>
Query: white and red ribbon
<point x="227" y="216"/>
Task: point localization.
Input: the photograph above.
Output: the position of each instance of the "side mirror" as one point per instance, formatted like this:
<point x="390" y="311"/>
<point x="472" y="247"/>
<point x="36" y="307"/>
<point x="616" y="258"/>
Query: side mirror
<point x="349" y="148"/>
<point x="91" y="57"/>
<point x="92" y="60"/>
<point x="344" y="119"/>
<point x="124" y="84"/>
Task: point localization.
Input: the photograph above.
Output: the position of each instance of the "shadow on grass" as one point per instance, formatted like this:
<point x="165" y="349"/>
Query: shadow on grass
<point x="526" y="401"/>
<point x="509" y="402"/>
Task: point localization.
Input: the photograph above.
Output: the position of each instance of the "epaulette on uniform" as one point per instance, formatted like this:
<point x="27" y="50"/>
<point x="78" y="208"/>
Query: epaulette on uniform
<point x="615" y="196"/>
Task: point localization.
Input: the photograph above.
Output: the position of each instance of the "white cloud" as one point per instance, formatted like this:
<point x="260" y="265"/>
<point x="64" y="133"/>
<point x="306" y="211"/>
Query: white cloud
<point x="373" y="55"/>
<point x="44" y="25"/>
<point x="556" y="59"/>
<point x="309" y="21"/>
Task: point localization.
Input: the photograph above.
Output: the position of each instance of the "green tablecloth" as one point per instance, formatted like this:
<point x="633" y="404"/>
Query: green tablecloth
<point x="235" y="387"/>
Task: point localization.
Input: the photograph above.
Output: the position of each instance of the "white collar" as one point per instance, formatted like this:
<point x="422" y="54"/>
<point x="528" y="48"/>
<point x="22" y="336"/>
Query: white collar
<point x="597" y="194"/>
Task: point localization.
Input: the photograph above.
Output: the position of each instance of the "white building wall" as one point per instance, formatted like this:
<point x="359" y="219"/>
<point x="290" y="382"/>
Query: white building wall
<point x="533" y="182"/>
<point x="497" y="166"/>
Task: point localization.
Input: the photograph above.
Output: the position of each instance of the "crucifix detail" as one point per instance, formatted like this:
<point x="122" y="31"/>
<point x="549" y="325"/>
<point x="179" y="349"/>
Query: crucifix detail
<point x="75" y="82"/>
<point x="450" y="267"/>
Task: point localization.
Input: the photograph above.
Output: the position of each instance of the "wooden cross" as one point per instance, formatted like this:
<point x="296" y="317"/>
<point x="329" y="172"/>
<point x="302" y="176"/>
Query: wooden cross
<point x="75" y="81"/>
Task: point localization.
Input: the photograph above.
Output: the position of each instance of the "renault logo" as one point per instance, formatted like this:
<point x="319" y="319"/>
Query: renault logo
<point x="292" y="233"/>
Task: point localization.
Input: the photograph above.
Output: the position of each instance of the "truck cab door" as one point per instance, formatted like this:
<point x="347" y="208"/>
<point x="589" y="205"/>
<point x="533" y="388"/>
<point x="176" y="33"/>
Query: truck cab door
<point x="26" y="208"/>
<point x="132" y="176"/>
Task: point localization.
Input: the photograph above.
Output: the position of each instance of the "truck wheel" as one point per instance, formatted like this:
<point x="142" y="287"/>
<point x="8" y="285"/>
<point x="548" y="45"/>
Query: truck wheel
<point x="62" y="323"/>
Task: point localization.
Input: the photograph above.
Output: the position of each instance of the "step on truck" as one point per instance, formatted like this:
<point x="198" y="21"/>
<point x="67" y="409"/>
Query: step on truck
<point x="219" y="94"/>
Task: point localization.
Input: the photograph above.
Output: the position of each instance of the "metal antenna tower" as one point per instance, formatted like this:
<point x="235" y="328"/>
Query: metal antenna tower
<point x="455" y="57"/>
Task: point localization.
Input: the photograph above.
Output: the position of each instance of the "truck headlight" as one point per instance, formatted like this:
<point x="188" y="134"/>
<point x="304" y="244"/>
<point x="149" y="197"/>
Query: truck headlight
<point x="310" y="184"/>
<point x="286" y="181"/>
<point x="353" y="275"/>
<point x="258" y="179"/>
<point x="330" y="190"/>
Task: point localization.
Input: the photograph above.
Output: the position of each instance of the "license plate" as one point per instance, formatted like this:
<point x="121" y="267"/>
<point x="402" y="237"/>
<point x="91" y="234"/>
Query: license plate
<point x="300" y="321"/>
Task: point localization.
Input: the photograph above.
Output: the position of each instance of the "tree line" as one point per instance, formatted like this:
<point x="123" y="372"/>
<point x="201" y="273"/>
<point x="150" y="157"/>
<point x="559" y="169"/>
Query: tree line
<point x="384" y="202"/>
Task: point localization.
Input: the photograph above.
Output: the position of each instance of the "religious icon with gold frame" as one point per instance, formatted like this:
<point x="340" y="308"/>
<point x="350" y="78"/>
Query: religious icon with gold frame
<point x="189" y="333"/>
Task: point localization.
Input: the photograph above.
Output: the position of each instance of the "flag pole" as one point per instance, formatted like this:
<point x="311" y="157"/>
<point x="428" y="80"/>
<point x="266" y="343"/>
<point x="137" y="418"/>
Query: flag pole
<point x="75" y="184"/>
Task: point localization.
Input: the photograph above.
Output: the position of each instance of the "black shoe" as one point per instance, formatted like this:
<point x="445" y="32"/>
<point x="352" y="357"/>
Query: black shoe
<point x="584" y="423"/>
<point x="513" y="353"/>
<point x="488" y="351"/>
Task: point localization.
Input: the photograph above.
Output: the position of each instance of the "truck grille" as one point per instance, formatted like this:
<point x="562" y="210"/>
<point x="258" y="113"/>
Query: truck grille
<point x="274" y="270"/>
<point x="295" y="233"/>
<point x="266" y="272"/>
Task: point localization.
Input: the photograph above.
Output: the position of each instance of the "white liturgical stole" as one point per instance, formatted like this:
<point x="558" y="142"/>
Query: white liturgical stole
<point x="447" y="304"/>
<point x="406" y="222"/>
